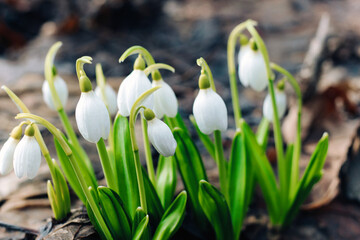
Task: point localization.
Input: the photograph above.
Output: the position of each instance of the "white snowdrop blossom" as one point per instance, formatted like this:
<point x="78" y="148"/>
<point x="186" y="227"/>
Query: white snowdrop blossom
<point x="130" y="89"/>
<point x="242" y="51"/>
<point x="161" y="137"/>
<point x="92" y="117"/>
<point x="61" y="89"/>
<point x="280" y="98"/>
<point x="252" y="70"/>
<point x="27" y="155"/>
<point x="110" y="97"/>
<point x="165" y="102"/>
<point x="210" y="111"/>
<point x="7" y="155"/>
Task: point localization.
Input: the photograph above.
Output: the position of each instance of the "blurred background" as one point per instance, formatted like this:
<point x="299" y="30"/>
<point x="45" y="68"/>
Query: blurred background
<point x="177" y="32"/>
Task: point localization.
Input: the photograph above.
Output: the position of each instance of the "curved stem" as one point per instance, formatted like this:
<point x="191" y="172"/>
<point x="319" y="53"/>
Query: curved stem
<point x="276" y="124"/>
<point x="138" y="50"/>
<point x="204" y="66"/>
<point x="148" y="157"/>
<point x="80" y="65"/>
<point x="297" y="147"/>
<point x="157" y="66"/>
<point x="232" y="68"/>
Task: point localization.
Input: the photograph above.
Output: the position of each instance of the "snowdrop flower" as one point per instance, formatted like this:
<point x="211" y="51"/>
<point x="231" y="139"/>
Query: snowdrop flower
<point x="7" y="151"/>
<point x="252" y="70"/>
<point x="160" y="134"/>
<point x="91" y="114"/>
<point x="110" y="97"/>
<point x="280" y="98"/>
<point x="132" y="87"/>
<point x="27" y="155"/>
<point x="209" y="108"/>
<point x="61" y="89"/>
<point x="165" y="102"/>
<point x="245" y="47"/>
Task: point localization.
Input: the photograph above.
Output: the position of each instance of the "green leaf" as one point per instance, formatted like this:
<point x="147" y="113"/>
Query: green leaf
<point x="92" y="217"/>
<point x="262" y="133"/>
<point x="155" y="209"/>
<point x="138" y="218"/>
<point x="288" y="161"/>
<point x="53" y="201"/>
<point x="176" y="122"/>
<point x="172" y="218"/>
<point x="192" y="170"/>
<point x="69" y="172"/>
<point x="114" y="214"/>
<point x="205" y="139"/>
<point x="238" y="183"/>
<point x="125" y="172"/>
<point x="62" y="191"/>
<point x="264" y="172"/>
<point x="216" y="210"/>
<point x="141" y="229"/>
<point x="166" y="179"/>
<point x="312" y="175"/>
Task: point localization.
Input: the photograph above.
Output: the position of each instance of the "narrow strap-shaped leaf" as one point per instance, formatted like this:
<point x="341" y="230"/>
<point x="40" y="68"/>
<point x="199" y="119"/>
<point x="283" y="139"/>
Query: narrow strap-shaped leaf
<point x="288" y="161"/>
<point x="237" y="183"/>
<point x="176" y="122"/>
<point x="141" y="229"/>
<point x="155" y="209"/>
<point x="216" y="210"/>
<point x="115" y="216"/>
<point x="262" y="133"/>
<point x="172" y="218"/>
<point x="205" y="139"/>
<point x="125" y="172"/>
<point x="312" y="175"/>
<point x="62" y="191"/>
<point x="166" y="179"/>
<point x="192" y="170"/>
<point x="92" y="216"/>
<point x="138" y="218"/>
<point x="69" y="172"/>
<point x="53" y="201"/>
<point x="264" y="172"/>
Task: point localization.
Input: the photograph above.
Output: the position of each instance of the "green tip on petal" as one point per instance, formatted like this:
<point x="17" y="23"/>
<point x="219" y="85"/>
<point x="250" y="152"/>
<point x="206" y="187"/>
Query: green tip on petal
<point x="30" y="131"/>
<point x="85" y="84"/>
<point x="149" y="114"/>
<point x="16" y="133"/>
<point x="156" y="76"/>
<point x="139" y="63"/>
<point x="243" y="40"/>
<point x="204" y="82"/>
<point x="253" y="44"/>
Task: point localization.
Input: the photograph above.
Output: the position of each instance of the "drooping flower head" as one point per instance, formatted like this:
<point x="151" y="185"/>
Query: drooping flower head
<point x="252" y="70"/>
<point x="60" y="88"/>
<point x="132" y="87"/>
<point x="280" y="98"/>
<point x="160" y="134"/>
<point x="209" y="108"/>
<point x="8" y="149"/>
<point x="27" y="155"/>
<point x="91" y="114"/>
<point x="165" y="102"/>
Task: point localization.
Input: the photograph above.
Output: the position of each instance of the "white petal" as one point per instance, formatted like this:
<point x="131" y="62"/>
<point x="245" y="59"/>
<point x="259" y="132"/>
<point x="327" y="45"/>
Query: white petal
<point x="130" y="89"/>
<point x="61" y="89"/>
<point x="161" y="137"/>
<point x="268" y="112"/>
<point x="27" y="157"/>
<point x="110" y="98"/>
<point x="165" y="102"/>
<point x="7" y="155"/>
<point x="241" y="54"/>
<point x="210" y="111"/>
<point x="92" y="117"/>
<point x="253" y="70"/>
